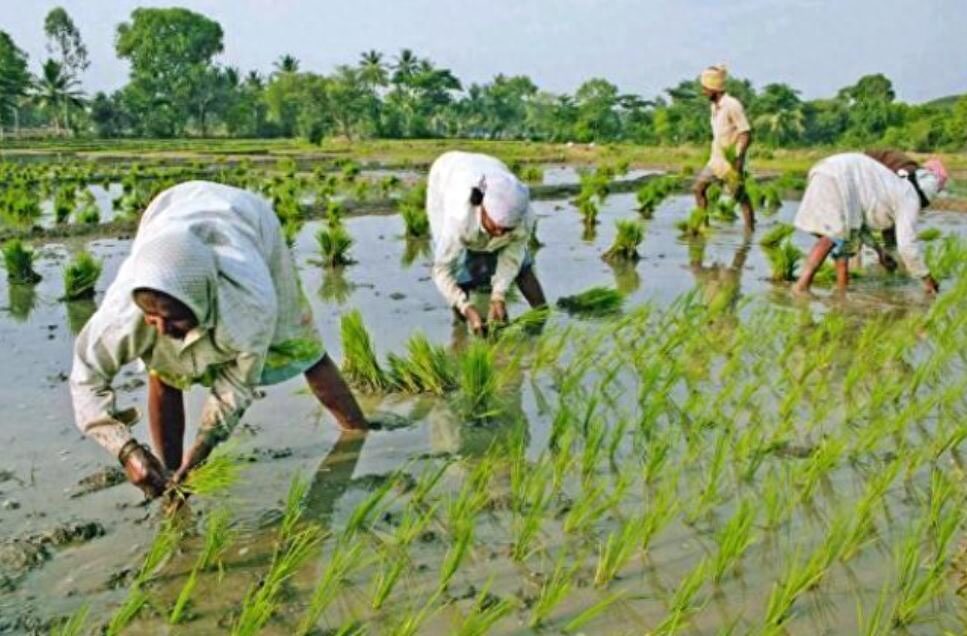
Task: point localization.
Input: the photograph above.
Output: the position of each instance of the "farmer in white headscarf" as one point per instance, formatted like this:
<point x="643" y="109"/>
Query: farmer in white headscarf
<point x="481" y="222"/>
<point x="731" y="136"/>
<point x="849" y="196"/>
<point x="209" y="295"/>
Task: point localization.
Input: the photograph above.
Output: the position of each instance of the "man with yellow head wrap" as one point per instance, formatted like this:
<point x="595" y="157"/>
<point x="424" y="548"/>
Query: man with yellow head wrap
<point x="731" y="136"/>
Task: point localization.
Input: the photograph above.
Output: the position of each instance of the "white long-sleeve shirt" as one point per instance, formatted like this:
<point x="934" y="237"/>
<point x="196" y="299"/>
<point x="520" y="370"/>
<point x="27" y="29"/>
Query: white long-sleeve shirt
<point x="220" y="251"/>
<point x="455" y="225"/>
<point x="851" y="190"/>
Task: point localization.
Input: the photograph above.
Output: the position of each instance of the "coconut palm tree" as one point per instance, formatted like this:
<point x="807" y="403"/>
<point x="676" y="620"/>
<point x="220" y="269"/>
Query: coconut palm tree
<point x="56" y="91"/>
<point x="286" y="64"/>
<point x="405" y="66"/>
<point x="372" y="69"/>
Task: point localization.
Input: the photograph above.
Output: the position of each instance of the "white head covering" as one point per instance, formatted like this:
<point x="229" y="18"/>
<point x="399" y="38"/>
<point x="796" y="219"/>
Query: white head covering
<point x="505" y="199"/>
<point x="929" y="183"/>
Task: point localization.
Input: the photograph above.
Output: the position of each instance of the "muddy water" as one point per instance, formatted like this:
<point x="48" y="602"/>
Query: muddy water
<point x="286" y="432"/>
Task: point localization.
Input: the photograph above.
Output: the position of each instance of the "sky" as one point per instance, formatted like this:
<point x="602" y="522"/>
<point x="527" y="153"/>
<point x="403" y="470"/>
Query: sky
<point x="643" y="46"/>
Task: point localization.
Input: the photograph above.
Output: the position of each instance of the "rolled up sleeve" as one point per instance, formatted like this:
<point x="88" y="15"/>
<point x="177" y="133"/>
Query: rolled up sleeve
<point x="509" y="261"/>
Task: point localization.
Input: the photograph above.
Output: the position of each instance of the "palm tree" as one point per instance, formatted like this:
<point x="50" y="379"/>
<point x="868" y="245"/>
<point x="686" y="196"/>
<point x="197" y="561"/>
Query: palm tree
<point x="782" y="126"/>
<point x="286" y="64"/>
<point x="372" y="70"/>
<point x="56" y="90"/>
<point x="405" y="66"/>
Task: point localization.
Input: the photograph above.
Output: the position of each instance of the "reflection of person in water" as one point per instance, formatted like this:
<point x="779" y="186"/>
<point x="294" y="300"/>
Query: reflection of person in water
<point x="333" y="478"/>
<point x="719" y="284"/>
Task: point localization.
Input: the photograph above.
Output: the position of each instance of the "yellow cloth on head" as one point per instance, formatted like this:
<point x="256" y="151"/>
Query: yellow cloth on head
<point x="713" y="78"/>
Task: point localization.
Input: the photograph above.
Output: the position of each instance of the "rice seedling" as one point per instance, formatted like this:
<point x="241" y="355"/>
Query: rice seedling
<point x="945" y="257"/>
<point x="774" y="237"/>
<point x="334" y="244"/>
<point x="615" y="553"/>
<point x="733" y="540"/>
<point x="345" y="558"/>
<point x="555" y="589"/>
<point x="929" y="234"/>
<point x="74" y="625"/>
<point x="177" y="613"/>
<point x="412" y="208"/>
<point x="64" y="200"/>
<point x="462" y="542"/>
<point x="18" y="259"/>
<point x="682" y="605"/>
<point x="88" y="212"/>
<point x="916" y="582"/>
<point x="784" y="260"/>
<point x="364" y="511"/>
<point x="485" y="612"/>
<point x="135" y="601"/>
<point x="589" y="614"/>
<point x="427" y="368"/>
<point x="799" y="577"/>
<point x="263" y="599"/>
<point x="80" y="276"/>
<point x="294" y="508"/>
<point x="387" y="577"/>
<point x="588" y="209"/>
<point x="218" y="538"/>
<point x="478" y="391"/>
<point x="652" y="193"/>
<point x="629" y="236"/>
<point x="213" y="478"/>
<point x="695" y="224"/>
<point x="360" y="365"/>
<point x="596" y="301"/>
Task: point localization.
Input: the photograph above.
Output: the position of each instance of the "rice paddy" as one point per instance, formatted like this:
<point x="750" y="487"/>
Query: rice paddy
<point x="696" y="452"/>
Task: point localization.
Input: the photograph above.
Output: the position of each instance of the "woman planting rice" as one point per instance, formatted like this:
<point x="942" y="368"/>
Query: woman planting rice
<point x="209" y="295"/>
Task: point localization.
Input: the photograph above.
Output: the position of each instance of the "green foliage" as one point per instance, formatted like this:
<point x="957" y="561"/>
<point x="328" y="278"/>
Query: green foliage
<point x="360" y="364"/>
<point x="18" y="259"/>
<point x="783" y="258"/>
<point x="652" y="193"/>
<point x="478" y="386"/>
<point x="88" y="211"/>
<point x="427" y="368"/>
<point x="774" y="237"/>
<point x="629" y="236"/>
<point x="695" y="225"/>
<point x="80" y="276"/>
<point x="946" y="258"/>
<point x="596" y="301"/>
<point x="334" y="244"/>
<point x="412" y="208"/>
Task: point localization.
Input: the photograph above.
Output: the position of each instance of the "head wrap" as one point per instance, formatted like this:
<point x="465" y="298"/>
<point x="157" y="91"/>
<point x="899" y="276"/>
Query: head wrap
<point x="936" y="166"/>
<point x="713" y="78"/>
<point x="505" y="199"/>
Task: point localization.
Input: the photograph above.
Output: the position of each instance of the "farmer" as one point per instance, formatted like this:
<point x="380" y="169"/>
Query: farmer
<point x="849" y="196"/>
<point x="481" y="222"/>
<point x="731" y="136"/>
<point x="209" y="295"/>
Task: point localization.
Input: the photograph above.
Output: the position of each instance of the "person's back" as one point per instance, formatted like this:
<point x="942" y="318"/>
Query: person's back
<point x="869" y="188"/>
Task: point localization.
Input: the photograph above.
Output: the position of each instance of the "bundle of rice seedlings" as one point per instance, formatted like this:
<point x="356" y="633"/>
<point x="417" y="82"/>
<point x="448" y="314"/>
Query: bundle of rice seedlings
<point x="88" y="213"/>
<point x="477" y="396"/>
<point x="596" y="301"/>
<point x="80" y="276"/>
<point x="626" y="241"/>
<point x="413" y="210"/>
<point x="18" y="258"/>
<point x="359" y="359"/>
<point x="588" y="208"/>
<point x="214" y="477"/>
<point x="652" y="193"/>
<point x="334" y="243"/>
<point x="696" y="224"/>
<point x="776" y="235"/>
<point x="929" y="234"/>
<point x="946" y="257"/>
<point x="784" y="260"/>
<point x="64" y="201"/>
<point x="427" y="368"/>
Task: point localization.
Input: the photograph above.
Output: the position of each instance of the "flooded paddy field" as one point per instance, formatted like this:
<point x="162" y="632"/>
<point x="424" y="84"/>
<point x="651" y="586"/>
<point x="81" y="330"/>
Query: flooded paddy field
<point x="716" y="456"/>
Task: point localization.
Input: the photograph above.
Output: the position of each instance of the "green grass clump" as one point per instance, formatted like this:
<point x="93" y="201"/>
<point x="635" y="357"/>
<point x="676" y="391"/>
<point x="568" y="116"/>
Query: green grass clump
<point x="784" y="260"/>
<point x="695" y="224"/>
<point x="18" y="258"/>
<point x="334" y="244"/>
<point x="427" y="368"/>
<point x="776" y="235"/>
<point x="477" y="397"/>
<point x="80" y="276"/>
<point x="359" y="359"/>
<point x="597" y="301"/>
<point x="412" y="208"/>
<point x="629" y="236"/>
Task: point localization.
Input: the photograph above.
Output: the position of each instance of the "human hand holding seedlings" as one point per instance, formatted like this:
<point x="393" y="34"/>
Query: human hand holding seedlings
<point x="474" y="320"/>
<point x="498" y="312"/>
<point x="198" y="452"/>
<point x="143" y="469"/>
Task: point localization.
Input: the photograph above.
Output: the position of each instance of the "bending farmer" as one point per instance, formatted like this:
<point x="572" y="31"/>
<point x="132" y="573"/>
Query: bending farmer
<point x="850" y="195"/>
<point x="481" y="222"/>
<point x="731" y="136"/>
<point x="209" y="295"/>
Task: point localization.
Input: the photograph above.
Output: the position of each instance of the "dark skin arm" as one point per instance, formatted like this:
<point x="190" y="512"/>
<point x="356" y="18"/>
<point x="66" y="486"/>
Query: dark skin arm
<point x="741" y="147"/>
<point x="166" y="421"/>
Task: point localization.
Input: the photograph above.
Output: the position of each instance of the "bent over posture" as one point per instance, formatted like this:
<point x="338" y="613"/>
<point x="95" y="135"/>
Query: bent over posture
<point x="850" y="195"/>
<point x="481" y="222"/>
<point x="208" y="295"/>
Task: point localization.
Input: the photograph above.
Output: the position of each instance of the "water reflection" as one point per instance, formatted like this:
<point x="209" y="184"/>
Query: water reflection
<point x="22" y="300"/>
<point x="719" y="284"/>
<point x="79" y="312"/>
<point x="335" y="288"/>
<point x="626" y="277"/>
<point x="333" y="477"/>
<point x="414" y="249"/>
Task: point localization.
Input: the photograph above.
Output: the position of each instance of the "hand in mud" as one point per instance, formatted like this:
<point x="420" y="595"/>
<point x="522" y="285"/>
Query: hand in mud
<point x="143" y="469"/>
<point x="498" y="312"/>
<point x="931" y="284"/>
<point x="474" y="320"/>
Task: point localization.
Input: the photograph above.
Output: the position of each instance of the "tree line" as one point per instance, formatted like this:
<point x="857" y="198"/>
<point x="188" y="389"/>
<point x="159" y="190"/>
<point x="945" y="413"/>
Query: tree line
<point x="176" y="88"/>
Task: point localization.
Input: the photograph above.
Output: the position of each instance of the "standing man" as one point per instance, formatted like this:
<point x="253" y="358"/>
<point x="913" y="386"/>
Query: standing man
<point x="731" y="136"/>
<point x="209" y="295"/>
<point x="481" y="222"/>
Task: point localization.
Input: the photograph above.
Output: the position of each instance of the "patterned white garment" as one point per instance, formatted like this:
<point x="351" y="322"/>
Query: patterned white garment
<point x="220" y="251"/>
<point x="455" y="225"/>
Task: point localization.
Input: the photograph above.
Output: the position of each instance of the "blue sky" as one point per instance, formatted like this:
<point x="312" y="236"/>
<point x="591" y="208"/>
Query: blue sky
<point x="643" y="46"/>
